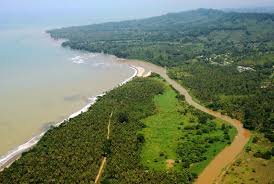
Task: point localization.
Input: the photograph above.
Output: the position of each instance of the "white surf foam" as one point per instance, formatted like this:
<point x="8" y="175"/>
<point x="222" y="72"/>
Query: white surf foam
<point x="83" y="59"/>
<point x="100" y="64"/>
<point x="78" y="60"/>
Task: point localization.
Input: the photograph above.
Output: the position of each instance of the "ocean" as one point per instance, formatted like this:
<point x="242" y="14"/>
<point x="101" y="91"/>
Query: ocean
<point x="42" y="83"/>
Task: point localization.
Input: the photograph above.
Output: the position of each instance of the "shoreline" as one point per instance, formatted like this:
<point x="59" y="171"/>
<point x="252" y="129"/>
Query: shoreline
<point x="214" y="169"/>
<point x="11" y="156"/>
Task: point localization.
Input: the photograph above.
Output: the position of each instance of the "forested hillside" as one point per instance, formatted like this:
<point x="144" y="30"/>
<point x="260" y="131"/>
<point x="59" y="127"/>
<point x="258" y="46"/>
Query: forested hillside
<point x="224" y="58"/>
<point x="173" y="38"/>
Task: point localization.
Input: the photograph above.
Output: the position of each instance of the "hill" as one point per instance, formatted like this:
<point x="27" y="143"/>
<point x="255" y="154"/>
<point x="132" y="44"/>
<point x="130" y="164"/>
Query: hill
<point x="224" y="58"/>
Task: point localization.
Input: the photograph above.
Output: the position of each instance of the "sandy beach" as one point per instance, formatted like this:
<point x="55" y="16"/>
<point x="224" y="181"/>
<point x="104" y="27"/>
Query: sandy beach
<point x="15" y="154"/>
<point x="44" y="83"/>
<point x="144" y="69"/>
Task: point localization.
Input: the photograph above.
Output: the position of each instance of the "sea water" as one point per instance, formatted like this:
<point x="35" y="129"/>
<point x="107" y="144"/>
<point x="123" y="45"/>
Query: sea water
<point x="42" y="83"/>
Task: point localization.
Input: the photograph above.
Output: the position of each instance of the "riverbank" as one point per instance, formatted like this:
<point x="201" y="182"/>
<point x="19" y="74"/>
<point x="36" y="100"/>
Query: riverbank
<point x="13" y="155"/>
<point x="226" y="157"/>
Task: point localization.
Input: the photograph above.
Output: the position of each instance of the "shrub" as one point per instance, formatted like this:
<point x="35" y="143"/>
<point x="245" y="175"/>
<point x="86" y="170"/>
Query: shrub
<point x="162" y="154"/>
<point x="140" y="138"/>
<point x="226" y="137"/>
<point x="123" y="117"/>
<point x="265" y="155"/>
<point x="248" y="149"/>
<point x="255" y="139"/>
<point x="106" y="148"/>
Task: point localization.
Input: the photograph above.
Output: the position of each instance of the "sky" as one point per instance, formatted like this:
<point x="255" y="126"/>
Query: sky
<point x="96" y="11"/>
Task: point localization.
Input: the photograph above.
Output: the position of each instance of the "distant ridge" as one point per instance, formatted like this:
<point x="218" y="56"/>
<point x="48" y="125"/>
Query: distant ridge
<point x="251" y="10"/>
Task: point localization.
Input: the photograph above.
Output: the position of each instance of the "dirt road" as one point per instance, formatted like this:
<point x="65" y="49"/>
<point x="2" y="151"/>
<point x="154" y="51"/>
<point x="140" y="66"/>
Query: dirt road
<point x="104" y="161"/>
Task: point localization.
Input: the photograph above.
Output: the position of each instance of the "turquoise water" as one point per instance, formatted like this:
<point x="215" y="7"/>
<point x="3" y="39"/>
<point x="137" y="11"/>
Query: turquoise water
<point x="41" y="83"/>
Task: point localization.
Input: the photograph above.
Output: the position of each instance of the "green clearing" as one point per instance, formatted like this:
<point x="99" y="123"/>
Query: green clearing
<point x="162" y="133"/>
<point x="180" y="133"/>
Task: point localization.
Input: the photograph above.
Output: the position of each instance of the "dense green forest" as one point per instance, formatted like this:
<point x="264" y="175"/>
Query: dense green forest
<point x="224" y="58"/>
<point x="172" y="39"/>
<point x="73" y="151"/>
<point x="240" y="95"/>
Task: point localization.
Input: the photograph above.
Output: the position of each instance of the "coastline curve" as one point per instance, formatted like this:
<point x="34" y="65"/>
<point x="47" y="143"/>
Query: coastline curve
<point x="14" y="154"/>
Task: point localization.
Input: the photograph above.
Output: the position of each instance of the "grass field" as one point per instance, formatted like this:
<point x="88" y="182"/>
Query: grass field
<point x="162" y="133"/>
<point x="170" y="132"/>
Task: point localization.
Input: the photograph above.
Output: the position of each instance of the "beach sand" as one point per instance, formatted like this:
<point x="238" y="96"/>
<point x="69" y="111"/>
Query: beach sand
<point x="15" y="154"/>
